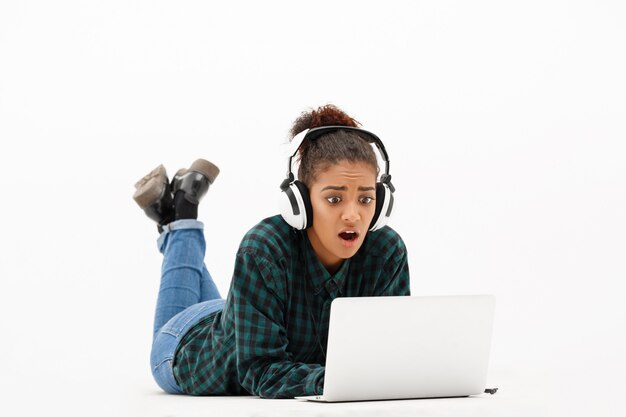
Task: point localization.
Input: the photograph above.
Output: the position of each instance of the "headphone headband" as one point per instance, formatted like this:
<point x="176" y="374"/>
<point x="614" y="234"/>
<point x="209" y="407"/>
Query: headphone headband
<point x="312" y="134"/>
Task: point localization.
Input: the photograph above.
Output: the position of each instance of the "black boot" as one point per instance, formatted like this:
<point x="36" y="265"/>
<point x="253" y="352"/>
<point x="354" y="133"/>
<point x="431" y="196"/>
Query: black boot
<point x="190" y="185"/>
<point x="154" y="196"/>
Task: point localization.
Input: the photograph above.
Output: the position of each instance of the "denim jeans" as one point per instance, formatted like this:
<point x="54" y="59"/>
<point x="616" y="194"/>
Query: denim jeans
<point x="186" y="295"/>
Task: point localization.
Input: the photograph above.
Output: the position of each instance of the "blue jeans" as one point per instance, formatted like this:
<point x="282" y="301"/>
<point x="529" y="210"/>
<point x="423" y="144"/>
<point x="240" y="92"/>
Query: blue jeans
<point x="186" y="295"/>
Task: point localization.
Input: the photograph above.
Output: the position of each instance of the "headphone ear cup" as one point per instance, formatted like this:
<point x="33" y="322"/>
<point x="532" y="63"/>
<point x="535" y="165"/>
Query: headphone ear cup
<point x="384" y="205"/>
<point x="295" y="206"/>
<point x="307" y="209"/>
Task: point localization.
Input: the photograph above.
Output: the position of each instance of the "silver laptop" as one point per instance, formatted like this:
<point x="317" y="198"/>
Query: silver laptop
<point x="383" y="348"/>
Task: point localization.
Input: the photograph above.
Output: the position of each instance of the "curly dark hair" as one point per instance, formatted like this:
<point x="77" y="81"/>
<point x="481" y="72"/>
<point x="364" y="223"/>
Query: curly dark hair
<point x="330" y="148"/>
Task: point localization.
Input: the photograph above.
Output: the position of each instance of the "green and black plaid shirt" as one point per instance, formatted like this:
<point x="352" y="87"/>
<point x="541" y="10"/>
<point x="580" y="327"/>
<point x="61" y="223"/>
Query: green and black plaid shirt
<point x="268" y="340"/>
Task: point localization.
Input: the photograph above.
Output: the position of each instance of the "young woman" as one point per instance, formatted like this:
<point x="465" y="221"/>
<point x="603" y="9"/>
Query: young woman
<point x="268" y="337"/>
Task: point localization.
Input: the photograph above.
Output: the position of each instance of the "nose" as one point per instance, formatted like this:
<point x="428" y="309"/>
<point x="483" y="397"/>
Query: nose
<point x="351" y="213"/>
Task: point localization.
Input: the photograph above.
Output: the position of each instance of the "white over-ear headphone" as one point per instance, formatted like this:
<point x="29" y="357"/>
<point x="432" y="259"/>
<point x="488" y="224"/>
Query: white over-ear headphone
<point x="295" y="202"/>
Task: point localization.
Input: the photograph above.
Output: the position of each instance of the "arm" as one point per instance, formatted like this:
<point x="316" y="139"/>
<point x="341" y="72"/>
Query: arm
<point x="397" y="269"/>
<point x="264" y="366"/>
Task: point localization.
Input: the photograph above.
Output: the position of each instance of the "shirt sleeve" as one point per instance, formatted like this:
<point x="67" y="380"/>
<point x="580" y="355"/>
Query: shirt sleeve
<point x="397" y="268"/>
<point x="264" y="365"/>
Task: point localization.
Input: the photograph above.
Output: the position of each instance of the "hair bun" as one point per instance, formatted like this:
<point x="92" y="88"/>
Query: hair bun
<point x="328" y="115"/>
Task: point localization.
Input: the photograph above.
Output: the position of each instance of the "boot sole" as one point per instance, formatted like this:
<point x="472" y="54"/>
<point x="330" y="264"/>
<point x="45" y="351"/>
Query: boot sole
<point x="150" y="188"/>
<point x="202" y="166"/>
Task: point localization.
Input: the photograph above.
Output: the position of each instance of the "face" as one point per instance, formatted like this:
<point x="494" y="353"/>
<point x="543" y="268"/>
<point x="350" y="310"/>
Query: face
<point x="343" y="201"/>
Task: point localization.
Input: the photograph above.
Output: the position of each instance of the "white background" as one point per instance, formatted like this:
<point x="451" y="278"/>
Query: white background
<point x="505" y="125"/>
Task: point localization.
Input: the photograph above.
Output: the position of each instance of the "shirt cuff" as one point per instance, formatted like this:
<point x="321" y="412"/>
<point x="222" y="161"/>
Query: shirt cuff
<point x="315" y="381"/>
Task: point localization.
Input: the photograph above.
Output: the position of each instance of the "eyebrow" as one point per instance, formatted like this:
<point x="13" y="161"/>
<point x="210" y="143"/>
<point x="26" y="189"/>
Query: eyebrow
<point x="344" y="188"/>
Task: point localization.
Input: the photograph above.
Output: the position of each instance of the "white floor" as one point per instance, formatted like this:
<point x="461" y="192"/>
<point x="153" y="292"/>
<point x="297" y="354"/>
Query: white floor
<point x="520" y="394"/>
<point x="506" y="402"/>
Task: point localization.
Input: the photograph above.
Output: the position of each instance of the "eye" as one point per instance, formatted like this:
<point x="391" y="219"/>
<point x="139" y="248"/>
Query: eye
<point x="333" y="199"/>
<point x="366" y="200"/>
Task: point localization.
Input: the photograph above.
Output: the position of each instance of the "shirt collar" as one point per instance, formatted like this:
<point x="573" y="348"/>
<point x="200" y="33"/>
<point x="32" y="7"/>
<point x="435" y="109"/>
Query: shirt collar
<point x="320" y="280"/>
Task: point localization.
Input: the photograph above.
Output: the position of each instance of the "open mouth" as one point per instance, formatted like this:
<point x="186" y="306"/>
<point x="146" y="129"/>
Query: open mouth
<point x="349" y="236"/>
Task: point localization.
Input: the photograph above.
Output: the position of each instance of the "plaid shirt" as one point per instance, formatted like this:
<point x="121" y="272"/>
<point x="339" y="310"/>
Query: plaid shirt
<point x="270" y="339"/>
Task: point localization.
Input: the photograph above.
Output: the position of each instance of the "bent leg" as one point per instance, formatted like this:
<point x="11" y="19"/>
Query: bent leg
<point x="187" y="294"/>
<point x="166" y="341"/>
<point x="208" y="289"/>
<point x="185" y="280"/>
